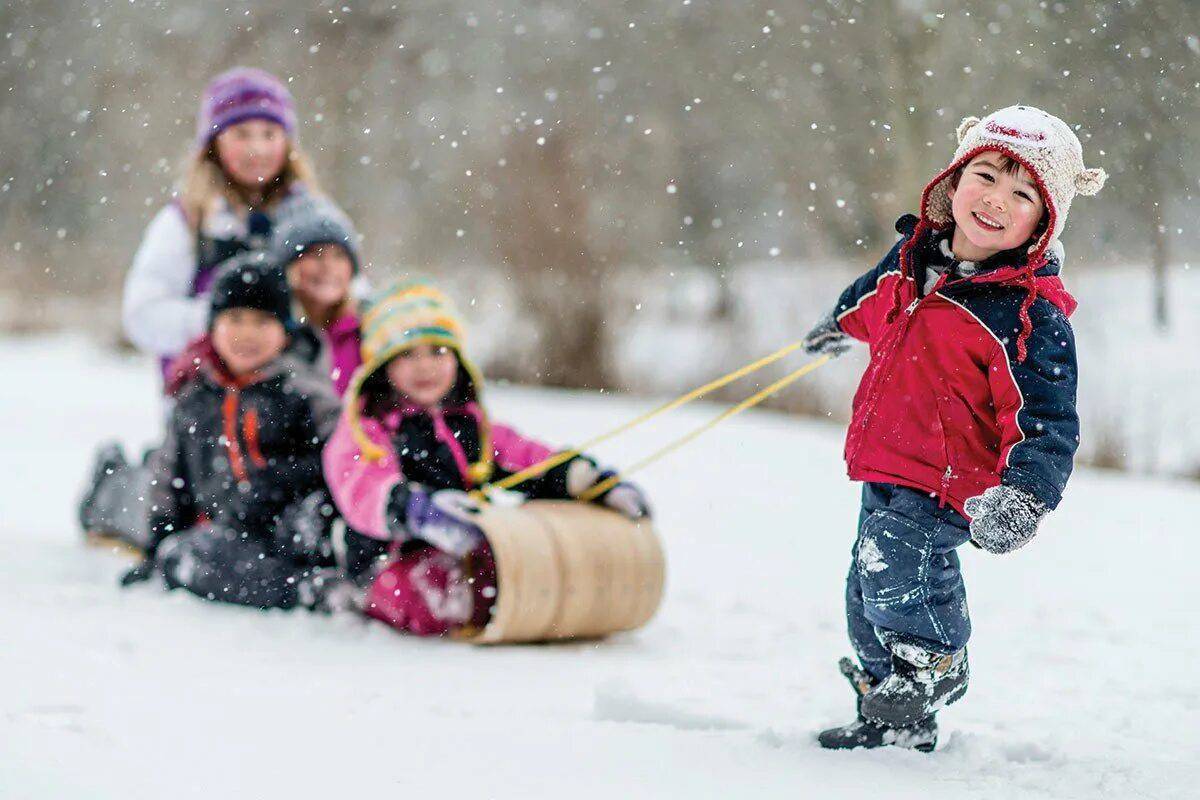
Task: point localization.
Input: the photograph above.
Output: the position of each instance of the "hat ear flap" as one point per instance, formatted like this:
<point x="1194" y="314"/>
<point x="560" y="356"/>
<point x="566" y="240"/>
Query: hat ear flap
<point x="1090" y="181"/>
<point x="965" y="126"/>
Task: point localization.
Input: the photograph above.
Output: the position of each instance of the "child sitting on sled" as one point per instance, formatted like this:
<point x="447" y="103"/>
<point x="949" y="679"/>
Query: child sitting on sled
<point x="228" y="518"/>
<point x="413" y="439"/>
<point x="964" y="426"/>
<point x="316" y="246"/>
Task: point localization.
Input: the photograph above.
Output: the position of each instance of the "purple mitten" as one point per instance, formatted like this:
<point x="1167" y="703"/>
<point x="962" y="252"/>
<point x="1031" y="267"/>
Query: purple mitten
<point x="443" y="519"/>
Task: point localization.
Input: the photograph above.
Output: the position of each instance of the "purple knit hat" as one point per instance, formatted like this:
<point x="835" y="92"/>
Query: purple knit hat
<point x="240" y="94"/>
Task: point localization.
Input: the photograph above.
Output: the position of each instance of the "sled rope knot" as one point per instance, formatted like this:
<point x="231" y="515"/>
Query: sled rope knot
<point x="600" y="488"/>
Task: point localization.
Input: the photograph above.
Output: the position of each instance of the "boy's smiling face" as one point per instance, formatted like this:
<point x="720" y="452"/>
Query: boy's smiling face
<point x="247" y="339"/>
<point x="996" y="206"/>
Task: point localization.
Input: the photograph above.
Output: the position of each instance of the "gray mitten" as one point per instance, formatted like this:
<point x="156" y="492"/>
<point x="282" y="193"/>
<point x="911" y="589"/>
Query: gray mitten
<point x="1004" y="518"/>
<point x="826" y="338"/>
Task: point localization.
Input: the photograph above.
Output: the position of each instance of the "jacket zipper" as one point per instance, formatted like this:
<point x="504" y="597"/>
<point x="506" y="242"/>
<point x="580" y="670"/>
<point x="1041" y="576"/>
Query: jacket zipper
<point x="250" y="432"/>
<point x="229" y="414"/>
<point x="945" y="485"/>
<point x="886" y="366"/>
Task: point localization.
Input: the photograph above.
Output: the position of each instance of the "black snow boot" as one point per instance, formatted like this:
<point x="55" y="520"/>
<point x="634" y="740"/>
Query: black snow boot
<point x="867" y="734"/>
<point x="108" y="461"/>
<point x="921" y="683"/>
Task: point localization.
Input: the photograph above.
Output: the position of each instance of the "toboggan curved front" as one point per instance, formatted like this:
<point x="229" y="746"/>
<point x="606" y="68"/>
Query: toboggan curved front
<point x="568" y="570"/>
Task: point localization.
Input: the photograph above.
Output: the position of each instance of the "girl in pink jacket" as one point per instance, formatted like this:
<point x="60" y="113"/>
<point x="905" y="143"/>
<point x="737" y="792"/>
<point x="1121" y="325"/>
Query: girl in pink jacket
<point x="412" y="440"/>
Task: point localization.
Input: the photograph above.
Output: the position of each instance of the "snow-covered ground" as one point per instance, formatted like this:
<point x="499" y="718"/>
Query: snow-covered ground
<point x="1083" y="659"/>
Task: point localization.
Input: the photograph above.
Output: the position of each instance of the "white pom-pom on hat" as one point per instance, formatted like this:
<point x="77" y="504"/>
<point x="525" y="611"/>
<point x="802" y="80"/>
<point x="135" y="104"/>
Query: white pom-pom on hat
<point x="1090" y="181"/>
<point x="965" y="126"/>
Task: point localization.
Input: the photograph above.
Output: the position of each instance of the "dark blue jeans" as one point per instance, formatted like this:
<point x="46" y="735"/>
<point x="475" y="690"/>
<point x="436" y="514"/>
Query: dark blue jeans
<point x="904" y="583"/>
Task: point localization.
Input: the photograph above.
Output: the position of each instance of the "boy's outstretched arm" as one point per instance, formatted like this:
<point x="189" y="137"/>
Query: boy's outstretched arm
<point x="862" y="305"/>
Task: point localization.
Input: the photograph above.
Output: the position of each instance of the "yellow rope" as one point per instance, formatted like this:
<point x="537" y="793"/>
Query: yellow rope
<point x="751" y="401"/>
<point x="553" y="461"/>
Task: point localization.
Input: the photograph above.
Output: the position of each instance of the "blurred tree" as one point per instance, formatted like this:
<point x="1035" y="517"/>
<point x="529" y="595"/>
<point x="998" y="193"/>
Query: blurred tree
<point x="670" y="132"/>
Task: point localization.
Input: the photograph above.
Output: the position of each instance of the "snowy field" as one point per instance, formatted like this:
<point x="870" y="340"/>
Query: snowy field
<point x="1083" y="660"/>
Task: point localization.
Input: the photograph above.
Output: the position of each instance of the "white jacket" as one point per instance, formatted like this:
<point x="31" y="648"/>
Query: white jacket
<point x="158" y="313"/>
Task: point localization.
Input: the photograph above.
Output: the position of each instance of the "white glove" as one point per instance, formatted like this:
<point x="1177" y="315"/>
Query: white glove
<point x="624" y="498"/>
<point x="457" y="503"/>
<point x="628" y="500"/>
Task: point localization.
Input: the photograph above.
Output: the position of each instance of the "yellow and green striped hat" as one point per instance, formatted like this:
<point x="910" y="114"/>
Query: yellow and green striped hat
<point x="403" y="315"/>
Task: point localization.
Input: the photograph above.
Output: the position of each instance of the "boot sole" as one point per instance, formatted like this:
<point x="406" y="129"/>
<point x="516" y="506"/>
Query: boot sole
<point x="924" y="747"/>
<point x="113" y="544"/>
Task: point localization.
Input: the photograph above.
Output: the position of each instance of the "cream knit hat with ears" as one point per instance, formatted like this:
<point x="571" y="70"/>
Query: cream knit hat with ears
<point x="1042" y="143"/>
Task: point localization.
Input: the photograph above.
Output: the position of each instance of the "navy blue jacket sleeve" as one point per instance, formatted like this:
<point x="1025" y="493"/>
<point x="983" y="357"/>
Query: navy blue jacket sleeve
<point x="865" y="301"/>
<point x="1040" y="420"/>
<point x="861" y="302"/>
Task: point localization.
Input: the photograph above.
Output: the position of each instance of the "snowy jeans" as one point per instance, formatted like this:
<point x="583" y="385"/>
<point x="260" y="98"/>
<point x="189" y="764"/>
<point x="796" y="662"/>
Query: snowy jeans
<point x="904" y="583"/>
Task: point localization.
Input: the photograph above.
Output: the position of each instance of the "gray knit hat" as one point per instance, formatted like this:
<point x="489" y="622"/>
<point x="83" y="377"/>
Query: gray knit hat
<point x="1042" y="143"/>
<point x="314" y="221"/>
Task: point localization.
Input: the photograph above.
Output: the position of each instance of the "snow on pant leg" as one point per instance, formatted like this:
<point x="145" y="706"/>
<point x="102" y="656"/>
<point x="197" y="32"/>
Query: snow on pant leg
<point x="431" y="593"/>
<point x="908" y="570"/>
<point x="220" y="564"/>
<point x="872" y="655"/>
<point x="121" y="506"/>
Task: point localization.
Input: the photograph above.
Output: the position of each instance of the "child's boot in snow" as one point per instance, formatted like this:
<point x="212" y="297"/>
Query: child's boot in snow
<point x="116" y="506"/>
<point x="108" y="461"/>
<point x="867" y="734"/>
<point x="921" y="683"/>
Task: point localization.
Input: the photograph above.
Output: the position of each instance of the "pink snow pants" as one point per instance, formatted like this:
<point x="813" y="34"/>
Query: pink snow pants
<point x="430" y="593"/>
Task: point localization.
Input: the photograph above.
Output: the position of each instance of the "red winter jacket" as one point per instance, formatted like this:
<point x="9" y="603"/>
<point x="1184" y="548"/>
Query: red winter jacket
<point x="949" y="404"/>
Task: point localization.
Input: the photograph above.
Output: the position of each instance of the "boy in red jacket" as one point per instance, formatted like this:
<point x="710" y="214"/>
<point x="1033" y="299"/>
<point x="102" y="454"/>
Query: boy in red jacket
<point x="964" y="426"/>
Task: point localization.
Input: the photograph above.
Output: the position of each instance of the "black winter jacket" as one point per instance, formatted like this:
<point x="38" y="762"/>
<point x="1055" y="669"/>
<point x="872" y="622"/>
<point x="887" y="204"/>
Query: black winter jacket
<point x="238" y="452"/>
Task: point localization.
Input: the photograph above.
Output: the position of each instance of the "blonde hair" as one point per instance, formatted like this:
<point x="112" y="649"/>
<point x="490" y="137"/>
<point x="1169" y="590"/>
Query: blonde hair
<point x="205" y="180"/>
